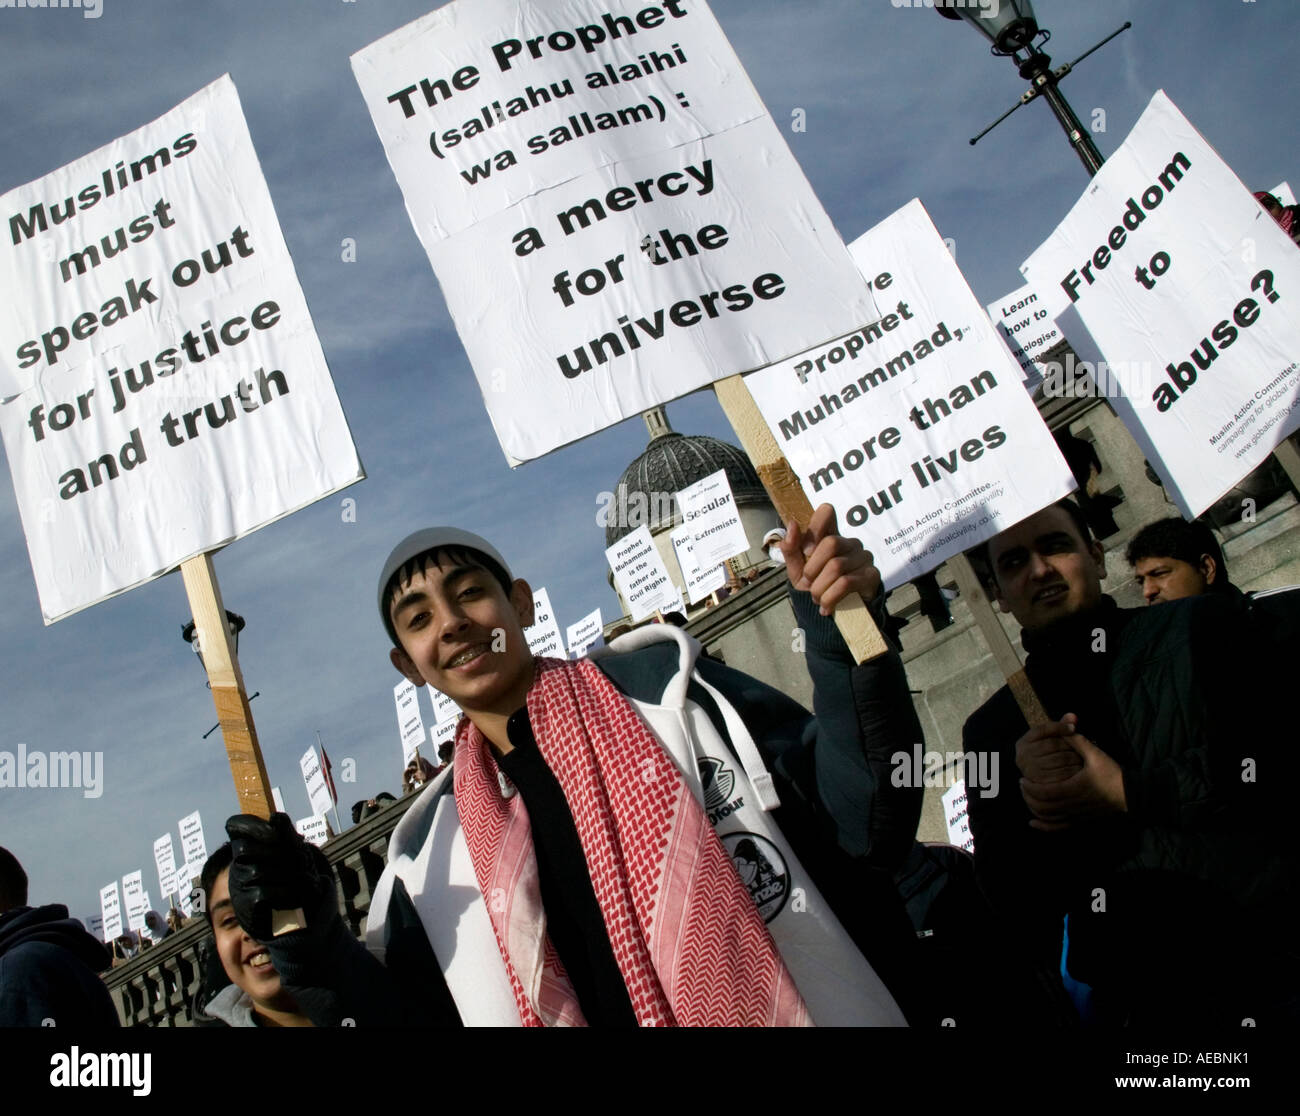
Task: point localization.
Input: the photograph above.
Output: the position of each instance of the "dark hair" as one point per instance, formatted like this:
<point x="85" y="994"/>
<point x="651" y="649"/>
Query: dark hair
<point x="1176" y="538"/>
<point x="979" y="555"/>
<point x="217" y="863"/>
<point x="13" y="882"/>
<point x="457" y="556"/>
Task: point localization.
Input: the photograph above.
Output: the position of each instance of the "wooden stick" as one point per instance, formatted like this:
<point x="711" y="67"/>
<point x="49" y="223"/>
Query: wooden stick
<point x="995" y="636"/>
<point x="252" y="787"/>
<point x="851" y="615"/>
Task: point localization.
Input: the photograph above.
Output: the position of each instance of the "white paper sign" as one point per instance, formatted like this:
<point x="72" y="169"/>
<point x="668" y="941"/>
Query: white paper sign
<point x="110" y="909"/>
<point x="639" y="574"/>
<point x="278" y="799"/>
<point x="439" y="735"/>
<point x="543" y="635"/>
<point x="313" y="829"/>
<point x="613" y="217"/>
<point x="193" y="847"/>
<point x="95" y="926"/>
<point x="133" y="898"/>
<point x="955" y="815"/>
<point x="170" y="393"/>
<point x="164" y="858"/>
<point x="709" y="509"/>
<point x="409" y="722"/>
<point x="1027" y="328"/>
<point x="444" y="709"/>
<point x="318" y="792"/>
<point x="916" y="427"/>
<point x="1189" y="289"/>
<point x="585" y="634"/>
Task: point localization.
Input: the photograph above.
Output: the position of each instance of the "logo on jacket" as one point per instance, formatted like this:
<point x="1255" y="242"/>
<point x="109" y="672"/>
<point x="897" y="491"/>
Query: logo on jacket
<point x="761" y="866"/>
<point x="719" y="781"/>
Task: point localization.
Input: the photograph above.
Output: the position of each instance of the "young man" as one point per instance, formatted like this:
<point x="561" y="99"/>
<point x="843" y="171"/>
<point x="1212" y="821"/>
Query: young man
<point x="1173" y="559"/>
<point x="1140" y="813"/>
<point x="607" y="848"/>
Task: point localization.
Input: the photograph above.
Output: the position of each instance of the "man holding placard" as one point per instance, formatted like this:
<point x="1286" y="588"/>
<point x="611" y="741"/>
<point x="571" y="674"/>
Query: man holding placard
<point x="1142" y="811"/>
<point x="614" y="818"/>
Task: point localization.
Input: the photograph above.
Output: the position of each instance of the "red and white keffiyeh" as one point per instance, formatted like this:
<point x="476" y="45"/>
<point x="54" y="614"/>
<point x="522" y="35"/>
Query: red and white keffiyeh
<point x="691" y="946"/>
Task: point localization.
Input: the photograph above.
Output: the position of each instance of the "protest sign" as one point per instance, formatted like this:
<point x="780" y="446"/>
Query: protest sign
<point x="585" y="634"/>
<point x="110" y="909"/>
<point x="133" y="898"/>
<point x="614" y="218"/>
<point x="709" y="509"/>
<point x="95" y="926"/>
<point x="543" y="634"/>
<point x="313" y="829"/>
<point x="955" y="450"/>
<point x="168" y="392"/>
<point x="164" y="858"/>
<point x="409" y="722"/>
<point x="193" y="847"/>
<point x="444" y="709"/>
<point x="318" y="792"/>
<point x="955" y="816"/>
<point x="278" y="799"/>
<point x="441" y="734"/>
<point x="699" y="583"/>
<point x="640" y="574"/>
<point x="1182" y="280"/>
<point x="1027" y="328"/>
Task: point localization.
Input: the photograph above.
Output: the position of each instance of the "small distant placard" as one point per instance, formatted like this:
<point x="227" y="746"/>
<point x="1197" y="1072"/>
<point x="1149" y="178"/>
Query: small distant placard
<point x="164" y="858"/>
<point x="543" y="636"/>
<point x="134" y="898"/>
<point x="110" y="909"/>
<point x="956" y="816"/>
<point x="444" y="709"/>
<point x="318" y="792"/>
<point x="640" y="574"/>
<point x="409" y="722"/>
<point x="585" y="634"/>
<point x="193" y="847"/>
<point x="313" y="829"/>
<point x="278" y="799"/>
<point x="699" y="583"/>
<point x="709" y="509"/>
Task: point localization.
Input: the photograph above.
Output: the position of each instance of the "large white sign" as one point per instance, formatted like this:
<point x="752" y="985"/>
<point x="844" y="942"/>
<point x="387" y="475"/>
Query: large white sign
<point x="133" y="898"/>
<point x="110" y="909"/>
<point x="543" y="634"/>
<point x="193" y="847"/>
<point x="640" y="574"/>
<point x="164" y="858"/>
<point x="614" y="218"/>
<point x="318" y="792"/>
<point x="314" y="829"/>
<point x="409" y="722"/>
<point x="1028" y="329"/>
<point x="915" y="427"/>
<point x="699" y="583"/>
<point x="585" y="634"/>
<point x="1183" y="281"/>
<point x="709" y="509"/>
<point x="169" y="393"/>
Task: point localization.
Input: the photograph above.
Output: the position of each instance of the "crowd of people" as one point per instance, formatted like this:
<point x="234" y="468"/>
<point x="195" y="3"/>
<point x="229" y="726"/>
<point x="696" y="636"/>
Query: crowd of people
<point x="648" y="837"/>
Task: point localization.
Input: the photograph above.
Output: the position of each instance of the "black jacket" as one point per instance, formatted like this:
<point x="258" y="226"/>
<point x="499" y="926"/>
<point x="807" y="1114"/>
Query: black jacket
<point x="48" y="967"/>
<point x="1175" y="905"/>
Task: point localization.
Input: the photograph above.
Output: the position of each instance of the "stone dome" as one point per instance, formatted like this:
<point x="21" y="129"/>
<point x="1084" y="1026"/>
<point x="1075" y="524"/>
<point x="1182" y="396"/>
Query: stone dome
<point x="644" y="493"/>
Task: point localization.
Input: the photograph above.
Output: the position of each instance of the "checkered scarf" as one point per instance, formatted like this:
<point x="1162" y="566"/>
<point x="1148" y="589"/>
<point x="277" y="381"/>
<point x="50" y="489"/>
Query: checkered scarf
<point x="688" y="941"/>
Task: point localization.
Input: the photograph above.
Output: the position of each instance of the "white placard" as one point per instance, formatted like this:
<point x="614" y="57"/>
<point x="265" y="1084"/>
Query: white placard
<point x="313" y="829"/>
<point x="110" y="909"/>
<point x="164" y="858"/>
<point x="444" y="709"/>
<point x="699" y="583"/>
<point x="916" y="427"/>
<point x="410" y="725"/>
<point x="955" y="816"/>
<point x="1027" y="328"/>
<point x="543" y="634"/>
<point x="1188" y="288"/>
<point x="585" y="634"/>
<point x="169" y="391"/>
<point x="278" y="799"/>
<point x="133" y="899"/>
<point x="440" y="734"/>
<point x="640" y="574"/>
<point x="95" y="926"/>
<point x="709" y="509"/>
<point x="193" y="847"/>
<point x="613" y="217"/>
<point x="318" y="792"/>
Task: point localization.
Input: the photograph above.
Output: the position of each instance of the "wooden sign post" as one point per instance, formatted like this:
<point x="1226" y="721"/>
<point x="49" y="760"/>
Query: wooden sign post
<point x="252" y="787"/>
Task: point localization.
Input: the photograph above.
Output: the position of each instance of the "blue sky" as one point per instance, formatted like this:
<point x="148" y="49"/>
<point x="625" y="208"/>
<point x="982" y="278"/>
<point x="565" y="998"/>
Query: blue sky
<point x="891" y="96"/>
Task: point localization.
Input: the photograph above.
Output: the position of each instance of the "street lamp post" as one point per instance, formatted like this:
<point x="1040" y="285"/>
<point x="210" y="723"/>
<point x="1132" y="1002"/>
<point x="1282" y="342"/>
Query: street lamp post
<point x="1013" y="29"/>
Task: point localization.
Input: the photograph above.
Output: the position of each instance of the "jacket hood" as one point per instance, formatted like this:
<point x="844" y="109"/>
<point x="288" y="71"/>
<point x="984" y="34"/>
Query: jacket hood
<point x="52" y="925"/>
<point x="231" y="1006"/>
<point x="667" y="640"/>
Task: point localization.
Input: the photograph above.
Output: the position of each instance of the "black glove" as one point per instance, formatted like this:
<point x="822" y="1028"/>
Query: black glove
<point x="274" y="869"/>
